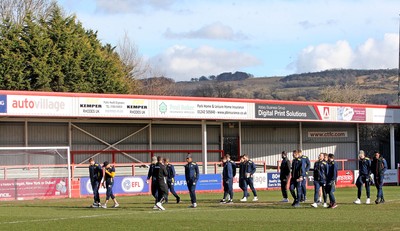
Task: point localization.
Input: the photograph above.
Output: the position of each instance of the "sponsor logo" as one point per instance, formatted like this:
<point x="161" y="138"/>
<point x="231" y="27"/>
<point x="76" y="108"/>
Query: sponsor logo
<point x="3" y="103"/>
<point x="42" y="104"/>
<point x="162" y="107"/>
<point x="326" y="113"/>
<point x="132" y="184"/>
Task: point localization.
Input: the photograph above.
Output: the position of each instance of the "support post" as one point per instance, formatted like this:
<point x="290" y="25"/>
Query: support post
<point x="392" y="148"/>
<point x="300" y="136"/>
<point x="240" y="140"/>
<point x="358" y="139"/>
<point x="204" y="145"/>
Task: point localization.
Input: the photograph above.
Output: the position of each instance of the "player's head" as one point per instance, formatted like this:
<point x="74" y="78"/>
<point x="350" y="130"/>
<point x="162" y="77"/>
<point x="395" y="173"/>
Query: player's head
<point x="91" y="161"/>
<point x="154" y="159"/>
<point x="295" y="154"/>
<point x="159" y="159"/>
<point x="241" y="159"/>
<point x="106" y="164"/>
<point x="166" y="160"/>
<point x="321" y="156"/>
<point x="245" y="157"/>
<point x="299" y="152"/>
<point x="377" y="155"/>
<point x="326" y="156"/>
<point x="361" y="154"/>
<point x="284" y="155"/>
<point x="228" y="156"/>
<point x="331" y="156"/>
<point x="189" y="158"/>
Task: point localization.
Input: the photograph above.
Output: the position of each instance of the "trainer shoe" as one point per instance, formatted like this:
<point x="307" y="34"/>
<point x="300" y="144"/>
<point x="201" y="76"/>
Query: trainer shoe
<point x="315" y="205"/>
<point x="358" y="201"/>
<point x="368" y="201"/>
<point x="296" y="205"/>
<point x="325" y="205"/>
<point x="155" y="207"/>
<point x="95" y="205"/>
<point x="255" y="199"/>
<point x="223" y="201"/>
<point x="244" y="199"/>
<point x="285" y="200"/>
<point x="178" y="200"/>
<point x="382" y="200"/>
<point x="230" y="201"/>
<point x="115" y="205"/>
<point x="104" y="206"/>
<point x="194" y="205"/>
<point x="159" y="205"/>
<point x="334" y="205"/>
<point x="378" y="200"/>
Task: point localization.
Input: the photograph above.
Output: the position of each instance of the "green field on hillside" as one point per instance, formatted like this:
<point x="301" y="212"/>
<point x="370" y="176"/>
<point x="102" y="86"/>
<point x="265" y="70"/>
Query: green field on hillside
<point x="136" y="213"/>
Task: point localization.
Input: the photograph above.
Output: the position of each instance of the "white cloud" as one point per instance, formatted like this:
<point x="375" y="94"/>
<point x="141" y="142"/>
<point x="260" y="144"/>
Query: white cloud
<point x="215" y="30"/>
<point x="131" y="6"/>
<point x="372" y="54"/>
<point x="183" y="63"/>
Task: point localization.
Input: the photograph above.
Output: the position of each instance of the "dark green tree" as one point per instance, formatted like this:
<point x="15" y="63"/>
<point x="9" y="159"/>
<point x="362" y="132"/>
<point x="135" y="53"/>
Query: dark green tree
<point x="56" y="53"/>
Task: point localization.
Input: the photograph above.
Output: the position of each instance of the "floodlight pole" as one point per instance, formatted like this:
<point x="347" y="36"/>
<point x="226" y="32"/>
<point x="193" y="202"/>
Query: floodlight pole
<point x="398" y="72"/>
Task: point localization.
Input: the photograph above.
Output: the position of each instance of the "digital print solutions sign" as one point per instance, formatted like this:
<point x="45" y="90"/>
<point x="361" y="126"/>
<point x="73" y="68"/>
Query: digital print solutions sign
<point x="284" y="111"/>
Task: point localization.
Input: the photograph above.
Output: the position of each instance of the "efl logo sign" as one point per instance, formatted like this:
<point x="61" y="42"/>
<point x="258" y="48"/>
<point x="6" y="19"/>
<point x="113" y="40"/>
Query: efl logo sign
<point x="132" y="184"/>
<point x="3" y="103"/>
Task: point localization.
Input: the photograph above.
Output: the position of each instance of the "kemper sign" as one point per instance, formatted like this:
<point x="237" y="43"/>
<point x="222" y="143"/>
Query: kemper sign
<point x="69" y="105"/>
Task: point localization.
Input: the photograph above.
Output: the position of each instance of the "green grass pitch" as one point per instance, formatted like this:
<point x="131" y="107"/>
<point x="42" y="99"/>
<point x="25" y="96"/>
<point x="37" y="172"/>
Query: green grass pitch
<point x="136" y="213"/>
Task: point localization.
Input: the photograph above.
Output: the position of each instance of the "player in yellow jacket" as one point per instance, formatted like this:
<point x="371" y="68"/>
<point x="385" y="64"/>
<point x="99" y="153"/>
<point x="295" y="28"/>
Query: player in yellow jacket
<point x="108" y="182"/>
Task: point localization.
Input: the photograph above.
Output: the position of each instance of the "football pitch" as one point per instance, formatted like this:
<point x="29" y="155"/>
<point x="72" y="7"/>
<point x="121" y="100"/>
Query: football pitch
<point x="136" y="213"/>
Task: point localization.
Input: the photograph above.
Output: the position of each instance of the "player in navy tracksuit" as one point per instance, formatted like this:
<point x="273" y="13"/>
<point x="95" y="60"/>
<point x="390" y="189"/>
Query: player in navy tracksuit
<point x="150" y="174"/>
<point x="161" y="174"/>
<point x="298" y="174"/>
<point x="284" y="176"/>
<point x="320" y="174"/>
<point x="227" y="177"/>
<point x="242" y="177"/>
<point x="378" y="168"/>
<point x="306" y="162"/>
<point x="331" y="180"/>
<point x="96" y="175"/>
<point x="364" y="169"/>
<point x="192" y="176"/>
<point x="171" y="180"/>
<point x="249" y="170"/>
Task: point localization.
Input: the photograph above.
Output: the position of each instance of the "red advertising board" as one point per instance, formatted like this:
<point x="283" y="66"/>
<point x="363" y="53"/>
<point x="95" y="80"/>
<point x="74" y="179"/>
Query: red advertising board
<point x="345" y="177"/>
<point x="19" y="189"/>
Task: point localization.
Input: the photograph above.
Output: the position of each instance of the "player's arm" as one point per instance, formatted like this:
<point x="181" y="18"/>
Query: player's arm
<point x="196" y="169"/>
<point x="253" y="168"/>
<point x="149" y="174"/>
<point x="110" y="173"/>
<point x="385" y="166"/>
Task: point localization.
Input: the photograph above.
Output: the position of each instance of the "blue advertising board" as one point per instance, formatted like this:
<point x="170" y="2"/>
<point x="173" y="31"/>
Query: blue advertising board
<point x="3" y="103"/>
<point x="122" y="185"/>
<point x="206" y="182"/>
<point x="274" y="180"/>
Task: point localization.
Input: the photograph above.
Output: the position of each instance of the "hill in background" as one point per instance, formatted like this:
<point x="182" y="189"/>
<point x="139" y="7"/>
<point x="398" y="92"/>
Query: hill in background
<point x="379" y="86"/>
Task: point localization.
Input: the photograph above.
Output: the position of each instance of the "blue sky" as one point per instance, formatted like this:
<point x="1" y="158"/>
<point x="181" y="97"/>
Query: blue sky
<point x="184" y="39"/>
